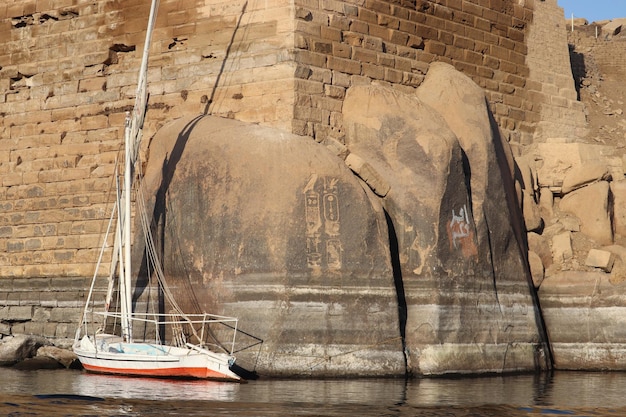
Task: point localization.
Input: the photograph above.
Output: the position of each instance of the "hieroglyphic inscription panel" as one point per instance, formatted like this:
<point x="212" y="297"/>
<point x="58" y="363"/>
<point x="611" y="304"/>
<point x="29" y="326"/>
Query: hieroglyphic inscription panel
<point x="323" y="224"/>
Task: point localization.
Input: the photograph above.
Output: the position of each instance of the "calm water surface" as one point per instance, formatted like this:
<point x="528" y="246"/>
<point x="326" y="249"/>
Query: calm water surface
<point x="74" y="393"/>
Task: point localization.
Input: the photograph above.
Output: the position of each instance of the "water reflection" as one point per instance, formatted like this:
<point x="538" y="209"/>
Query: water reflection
<point x="109" y="386"/>
<point x="562" y="389"/>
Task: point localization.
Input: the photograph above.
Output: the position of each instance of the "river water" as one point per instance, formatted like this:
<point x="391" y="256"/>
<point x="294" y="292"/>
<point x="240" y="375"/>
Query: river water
<point x="75" y="393"/>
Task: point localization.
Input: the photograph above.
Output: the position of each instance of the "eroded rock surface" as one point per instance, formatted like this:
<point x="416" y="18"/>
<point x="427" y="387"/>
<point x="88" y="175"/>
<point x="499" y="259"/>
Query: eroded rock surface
<point x="283" y="236"/>
<point x="466" y="282"/>
<point x="416" y="264"/>
<point x="17" y="348"/>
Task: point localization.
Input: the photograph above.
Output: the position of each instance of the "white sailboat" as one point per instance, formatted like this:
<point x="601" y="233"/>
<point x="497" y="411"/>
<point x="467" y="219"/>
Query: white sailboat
<point x="178" y="344"/>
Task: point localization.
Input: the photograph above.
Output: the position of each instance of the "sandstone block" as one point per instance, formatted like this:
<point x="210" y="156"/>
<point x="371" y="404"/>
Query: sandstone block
<point x="19" y="347"/>
<point x="368" y="174"/>
<point x="570" y="223"/>
<point x="344" y="65"/>
<point x="562" y="247"/>
<point x="618" y="190"/>
<point x="618" y="273"/>
<point x="546" y="203"/>
<point x="526" y="173"/>
<point x="541" y="246"/>
<point x="16" y="313"/>
<point x="613" y="27"/>
<point x="582" y="175"/>
<point x="578" y="21"/>
<point x="537" y="270"/>
<point x="600" y="259"/>
<point x="556" y="158"/>
<point x="63" y="356"/>
<point x="590" y="204"/>
<point x="531" y="212"/>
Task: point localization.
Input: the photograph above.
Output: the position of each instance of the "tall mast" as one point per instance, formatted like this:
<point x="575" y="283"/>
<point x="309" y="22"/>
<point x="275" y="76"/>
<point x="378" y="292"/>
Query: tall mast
<point x="132" y="140"/>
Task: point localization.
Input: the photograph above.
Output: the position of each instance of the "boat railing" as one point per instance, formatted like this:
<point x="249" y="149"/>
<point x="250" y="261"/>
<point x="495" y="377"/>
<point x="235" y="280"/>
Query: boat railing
<point x="198" y="323"/>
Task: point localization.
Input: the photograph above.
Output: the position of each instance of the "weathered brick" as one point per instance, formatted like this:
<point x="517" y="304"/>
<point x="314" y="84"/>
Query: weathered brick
<point x="399" y="12"/>
<point x="333" y="91"/>
<point x="463" y="43"/>
<point x="330" y="33"/>
<point x="434" y="47"/>
<point x="445" y="37"/>
<point x="367" y="15"/>
<point x="344" y="65"/>
<point x="399" y="38"/>
<point x="321" y="47"/>
<point x="373" y="71"/>
<point x="378" y="6"/>
<point x="381" y="32"/>
<point x="393" y="76"/>
<point x="442" y="12"/>
<point x="364" y="55"/>
<point x="467" y="69"/>
<point x="425" y="31"/>
<point x="388" y="21"/>
<point x="17" y="313"/>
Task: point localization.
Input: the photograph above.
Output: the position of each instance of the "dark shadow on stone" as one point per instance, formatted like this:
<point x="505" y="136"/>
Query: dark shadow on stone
<point x="244" y="373"/>
<point x="517" y="224"/>
<point x="158" y="225"/>
<point x="158" y="219"/>
<point x="38" y="362"/>
<point x="579" y="71"/>
<point x="230" y="45"/>
<point x="397" y="280"/>
<point x="467" y="170"/>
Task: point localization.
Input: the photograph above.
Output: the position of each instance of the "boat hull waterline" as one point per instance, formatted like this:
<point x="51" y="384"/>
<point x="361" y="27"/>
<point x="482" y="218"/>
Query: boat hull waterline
<point x="151" y="360"/>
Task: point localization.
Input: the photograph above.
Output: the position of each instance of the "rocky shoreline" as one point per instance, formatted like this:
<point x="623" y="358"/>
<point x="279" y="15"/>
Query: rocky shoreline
<point x="23" y="351"/>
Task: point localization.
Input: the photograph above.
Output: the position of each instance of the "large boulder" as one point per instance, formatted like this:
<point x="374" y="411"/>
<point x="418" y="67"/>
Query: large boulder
<point x="335" y="274"/>
<point x="573" y="163"/>
<point x="63" y="357"/>
<point x="618" y="192"/>
<point x="613" y="27"/>
<point x="14" y="349"/>
<point x="466" y="285"/>
<point x="276" y="230"/>
<point x="591" y="205"/>
<point x="585" y="314"/>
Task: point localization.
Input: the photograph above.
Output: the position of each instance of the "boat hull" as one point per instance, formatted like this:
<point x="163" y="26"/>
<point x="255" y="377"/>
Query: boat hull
<point x="149" y="360"/>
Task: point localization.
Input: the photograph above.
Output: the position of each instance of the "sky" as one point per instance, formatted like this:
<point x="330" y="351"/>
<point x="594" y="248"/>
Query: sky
<point x="594" y="10"/>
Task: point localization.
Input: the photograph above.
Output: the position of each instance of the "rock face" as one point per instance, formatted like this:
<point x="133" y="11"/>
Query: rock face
<point x="590" y="205"/>
<point x="583" y="181"/>
<point x="413" y="265"/>
<point x="587" y="298"/>
<point x="465" y="281"/>
<point x="14" y="349"/>
<point x="285" y="238"/>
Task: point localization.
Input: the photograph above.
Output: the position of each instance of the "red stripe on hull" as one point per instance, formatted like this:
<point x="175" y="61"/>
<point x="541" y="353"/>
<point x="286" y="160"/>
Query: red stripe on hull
<point x="201" y="373"/>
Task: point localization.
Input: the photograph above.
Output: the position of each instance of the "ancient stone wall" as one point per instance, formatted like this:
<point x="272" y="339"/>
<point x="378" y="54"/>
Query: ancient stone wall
<point x="68" y="70"/>
<point x="343" y="43"/>
<point x="550" y="83"/>
<point x="609" y="56"/>
<point x="68" y="73"/>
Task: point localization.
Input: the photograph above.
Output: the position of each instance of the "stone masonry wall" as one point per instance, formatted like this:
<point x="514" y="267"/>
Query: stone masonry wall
<point x="550" y="83"/>
<point x="68" y="73"/>
<point x="68" y="70"/>
<point x="343" y="43"/>
<point x="608" y="54"/>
